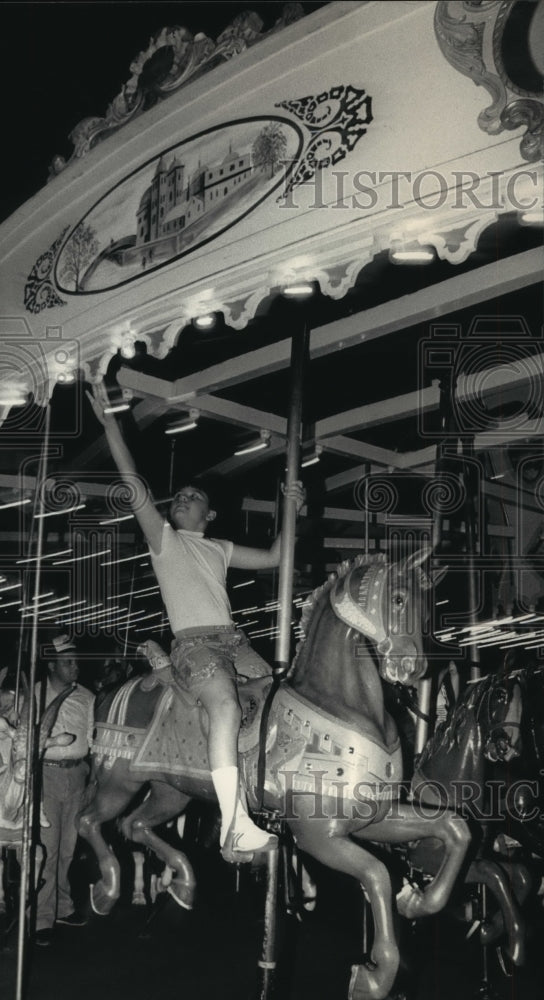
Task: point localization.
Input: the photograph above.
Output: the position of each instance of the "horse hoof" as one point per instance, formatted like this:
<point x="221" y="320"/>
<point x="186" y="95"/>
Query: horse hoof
<point x="363" y="984"/>
<point x="510" y="958"/>
<point x="101" y="902"/>
<point x="183" y="894"/>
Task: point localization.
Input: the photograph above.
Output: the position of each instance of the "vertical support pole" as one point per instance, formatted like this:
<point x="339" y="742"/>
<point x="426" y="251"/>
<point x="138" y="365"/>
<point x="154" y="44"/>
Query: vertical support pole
<point x="424" y="692"/>
<point x="172" y="467"/>
<point x="471" y="535"/>
<point x="424" y="704"/>
<point x="267" y="961"/>
<point x="130" y="599"/>
<point x="484" y="992"/>
<point x="367" y="515"/>
<point x="28" y="809"/>
<point x="299" y="354"/>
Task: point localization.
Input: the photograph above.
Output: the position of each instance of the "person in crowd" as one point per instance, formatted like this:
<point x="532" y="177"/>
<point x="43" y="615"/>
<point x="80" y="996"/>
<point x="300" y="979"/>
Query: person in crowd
<point x="191" y="571"/>
<point x="7" y="694"/>
<point x="64" y="778"/>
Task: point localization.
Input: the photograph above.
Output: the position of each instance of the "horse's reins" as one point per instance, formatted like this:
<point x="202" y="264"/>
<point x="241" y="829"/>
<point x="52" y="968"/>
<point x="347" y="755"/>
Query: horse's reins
<point x="408" y="699"/>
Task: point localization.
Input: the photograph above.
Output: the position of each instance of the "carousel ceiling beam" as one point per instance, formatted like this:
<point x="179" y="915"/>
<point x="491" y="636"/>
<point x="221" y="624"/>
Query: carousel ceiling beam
<point x="329" y="513"/>
<point x="342" y="445"/>
<point x="241" y="463"/>
<point x="86" y="489"/>
<point x="345" y="478"/>
<point x="384" y="411"/>
<point x="486" y="441"/>
<point x="344" y="543"/>
<point x="429" y="304"/>
<point x="230" y="412"/>
<point x="424" y="459"/>
<point x="152" y="406"/>
<point x="422" y="401"/>
<point x="157" y="393"/>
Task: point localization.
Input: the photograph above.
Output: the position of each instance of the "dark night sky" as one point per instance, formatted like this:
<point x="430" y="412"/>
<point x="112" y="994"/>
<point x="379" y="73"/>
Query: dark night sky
<point x="61" y="62"/>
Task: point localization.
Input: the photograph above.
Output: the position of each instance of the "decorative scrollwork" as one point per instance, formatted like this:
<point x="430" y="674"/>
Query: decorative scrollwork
<point x="473" y="37"/>
<point x="336" y="119"/>
<point x="40" y="293"/>
<point x="529" y="113"/>
<point x="173" y="57"/>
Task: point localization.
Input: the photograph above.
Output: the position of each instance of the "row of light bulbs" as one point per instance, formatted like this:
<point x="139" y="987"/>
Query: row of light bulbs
<point x="402" y="250"/>
<point x="259" y="443"/>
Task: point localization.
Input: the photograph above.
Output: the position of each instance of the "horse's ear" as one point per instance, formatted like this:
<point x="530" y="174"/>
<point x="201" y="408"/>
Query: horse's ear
<point x="415" y="559"/>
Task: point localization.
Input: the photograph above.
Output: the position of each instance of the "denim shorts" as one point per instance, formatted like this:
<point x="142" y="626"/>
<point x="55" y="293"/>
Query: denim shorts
<point x="197" y="653"/>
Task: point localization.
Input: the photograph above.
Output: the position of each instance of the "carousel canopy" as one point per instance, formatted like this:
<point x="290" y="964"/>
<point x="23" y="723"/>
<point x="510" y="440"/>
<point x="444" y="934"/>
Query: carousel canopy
<point x="384" y="158"/>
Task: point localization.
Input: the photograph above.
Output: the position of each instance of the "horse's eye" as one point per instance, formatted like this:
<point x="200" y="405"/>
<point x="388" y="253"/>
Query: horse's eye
<point x="398" y="600"/>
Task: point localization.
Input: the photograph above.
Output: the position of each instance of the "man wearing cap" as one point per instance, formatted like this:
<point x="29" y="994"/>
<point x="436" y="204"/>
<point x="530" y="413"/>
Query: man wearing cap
<point x="65" y="774"/>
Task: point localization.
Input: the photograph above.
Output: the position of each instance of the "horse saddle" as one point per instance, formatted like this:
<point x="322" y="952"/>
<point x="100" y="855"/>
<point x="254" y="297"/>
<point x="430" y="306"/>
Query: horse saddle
<point x="176" y="741"/>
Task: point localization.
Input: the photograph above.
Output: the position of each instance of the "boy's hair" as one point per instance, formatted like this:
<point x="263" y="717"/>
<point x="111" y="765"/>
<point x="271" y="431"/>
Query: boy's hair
<point x="204" y="485"/>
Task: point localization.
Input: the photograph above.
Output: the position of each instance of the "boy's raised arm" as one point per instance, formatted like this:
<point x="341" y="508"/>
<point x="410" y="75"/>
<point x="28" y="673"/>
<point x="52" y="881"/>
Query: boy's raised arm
<point x="144" y="509"/>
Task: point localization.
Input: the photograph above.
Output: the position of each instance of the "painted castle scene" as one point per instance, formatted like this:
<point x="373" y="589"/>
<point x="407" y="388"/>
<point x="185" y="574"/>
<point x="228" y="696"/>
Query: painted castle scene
<point x="177" y="203"/>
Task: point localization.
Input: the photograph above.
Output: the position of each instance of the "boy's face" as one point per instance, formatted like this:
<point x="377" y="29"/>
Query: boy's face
<point x="190" y="509"/>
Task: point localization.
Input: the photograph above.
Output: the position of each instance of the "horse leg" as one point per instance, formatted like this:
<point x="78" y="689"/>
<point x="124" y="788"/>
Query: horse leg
<point x="404" y="823"/>
<point x="330" y="844"/>
<point x="113" y="794"/>
<point x="508" y="919"/>
<point x="163" y="802"/>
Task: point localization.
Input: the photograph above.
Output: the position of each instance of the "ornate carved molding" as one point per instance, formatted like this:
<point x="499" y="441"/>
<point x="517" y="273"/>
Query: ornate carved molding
<point x="40" y="292"/>
<point x="336" y="120"/>
<point x="493" y="43"/>
<point x="173" y="57"/>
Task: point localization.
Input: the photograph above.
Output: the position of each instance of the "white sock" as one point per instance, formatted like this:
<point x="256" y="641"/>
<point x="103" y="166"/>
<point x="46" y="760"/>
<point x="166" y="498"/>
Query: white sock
<point x="225" y="782"/>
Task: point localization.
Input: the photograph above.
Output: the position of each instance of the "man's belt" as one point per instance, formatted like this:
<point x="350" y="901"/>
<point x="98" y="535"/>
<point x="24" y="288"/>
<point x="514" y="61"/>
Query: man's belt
<point x="65" y="762"/>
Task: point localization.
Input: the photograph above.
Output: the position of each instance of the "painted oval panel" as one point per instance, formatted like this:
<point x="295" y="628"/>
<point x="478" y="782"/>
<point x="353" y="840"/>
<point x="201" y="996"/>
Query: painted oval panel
<point x="177" y="202"/>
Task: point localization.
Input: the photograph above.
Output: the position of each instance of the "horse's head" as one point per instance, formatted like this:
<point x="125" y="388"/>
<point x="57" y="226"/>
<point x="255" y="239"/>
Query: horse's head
<point x="384" y="602"/>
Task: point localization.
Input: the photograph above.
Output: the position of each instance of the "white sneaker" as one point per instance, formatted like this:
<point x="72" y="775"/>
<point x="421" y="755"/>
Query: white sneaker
<point x="244" y="839"/>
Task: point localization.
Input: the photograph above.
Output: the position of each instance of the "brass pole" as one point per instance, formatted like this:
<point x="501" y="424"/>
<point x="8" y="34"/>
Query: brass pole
<point x="28" y="805"/>
<point x="424" y="691"/>
<point x="471" y="535"/>
<point x="299" y="354"/>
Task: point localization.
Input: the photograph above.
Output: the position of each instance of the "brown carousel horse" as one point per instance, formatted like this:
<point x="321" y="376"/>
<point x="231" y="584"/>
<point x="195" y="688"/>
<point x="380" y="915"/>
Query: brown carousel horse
<point x="333" y="757"/>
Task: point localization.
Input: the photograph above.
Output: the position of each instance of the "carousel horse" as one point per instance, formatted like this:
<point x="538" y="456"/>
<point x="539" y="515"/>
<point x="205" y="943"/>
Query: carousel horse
<point x="485" y="763"/>
<point x="13" y="757"/>
<point x="333" y="757"/>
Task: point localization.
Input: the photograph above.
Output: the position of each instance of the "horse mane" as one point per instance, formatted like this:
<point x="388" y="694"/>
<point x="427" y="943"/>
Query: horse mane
<point x="314" y="598"/>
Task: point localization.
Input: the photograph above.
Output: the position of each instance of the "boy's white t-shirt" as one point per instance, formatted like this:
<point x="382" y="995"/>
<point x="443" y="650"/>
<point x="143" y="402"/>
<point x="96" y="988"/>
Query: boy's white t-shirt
<point x="191" y="571"/>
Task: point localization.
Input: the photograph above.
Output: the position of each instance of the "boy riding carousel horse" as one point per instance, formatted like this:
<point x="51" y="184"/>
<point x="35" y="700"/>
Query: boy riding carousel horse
<point x="207" y="648"/>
